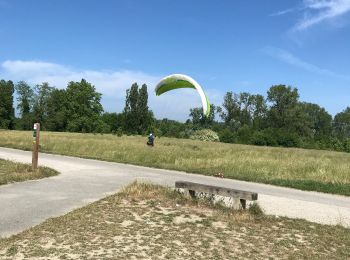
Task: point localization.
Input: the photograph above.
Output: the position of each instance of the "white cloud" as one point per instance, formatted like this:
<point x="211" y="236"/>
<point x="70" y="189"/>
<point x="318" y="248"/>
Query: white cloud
<point x="289" y="58"/>
<point x="283" y="12"/>
<point x="112" y="84"/>
<point x="318" y="11"/>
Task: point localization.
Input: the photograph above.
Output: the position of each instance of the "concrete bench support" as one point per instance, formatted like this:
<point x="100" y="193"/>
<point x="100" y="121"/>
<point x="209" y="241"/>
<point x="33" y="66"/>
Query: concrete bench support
<point x="240" y="197"/>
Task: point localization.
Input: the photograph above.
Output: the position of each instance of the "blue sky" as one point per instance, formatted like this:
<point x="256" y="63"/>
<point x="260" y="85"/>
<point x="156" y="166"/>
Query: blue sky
<point x="225" y="45"/>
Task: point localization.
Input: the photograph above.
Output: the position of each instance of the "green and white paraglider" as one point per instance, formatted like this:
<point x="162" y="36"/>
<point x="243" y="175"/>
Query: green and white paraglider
<point x="176" y="81"/>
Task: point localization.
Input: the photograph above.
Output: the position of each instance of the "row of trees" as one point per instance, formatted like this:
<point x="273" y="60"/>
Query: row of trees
<point x="280" y="119"/>
<point x="77" y="108"/>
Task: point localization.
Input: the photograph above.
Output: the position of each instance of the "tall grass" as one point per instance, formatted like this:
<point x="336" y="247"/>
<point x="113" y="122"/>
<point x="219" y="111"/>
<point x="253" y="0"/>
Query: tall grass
<point x="323" y="171"/>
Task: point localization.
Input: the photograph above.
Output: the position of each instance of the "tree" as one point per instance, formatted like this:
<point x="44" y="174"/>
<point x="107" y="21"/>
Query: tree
<point x="341" y="124"/>
<point x="40" y="106"/>
<point x="199" y="120"/>
<point x="243" y="109"/>
<point x="130" y="109"/>
<point x="172" y="128"/>
<point x="146" y="117"/>
<point x="283" y="112"/>
<point x="7" y="111"/>
<point x="57" y="111"/>
<point x="258" y="111"/>
<point x="84" y="108"/>
<point x="319" y="120"/>
<point x="113" y="120"/>
<point x="230" y="110"/>
<point x="137" y="116"/>
<point x="25" y="98"/>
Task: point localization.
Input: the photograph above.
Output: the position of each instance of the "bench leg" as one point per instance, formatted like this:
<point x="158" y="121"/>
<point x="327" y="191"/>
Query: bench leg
<point x="189" y="193"/>
<point x="243" y="203"/>
<point x="236" y="204"/>
<point x="192" y="193"/>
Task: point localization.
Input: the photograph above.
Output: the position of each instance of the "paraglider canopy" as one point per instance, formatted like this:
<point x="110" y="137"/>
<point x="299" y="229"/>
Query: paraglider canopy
<point x="176" y="81"/>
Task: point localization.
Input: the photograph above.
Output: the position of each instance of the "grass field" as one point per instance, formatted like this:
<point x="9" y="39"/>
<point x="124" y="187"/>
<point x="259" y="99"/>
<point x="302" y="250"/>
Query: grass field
<point x="14" y="172"/>
<point x="150" y="222"/>
<point x="323" y="171"/>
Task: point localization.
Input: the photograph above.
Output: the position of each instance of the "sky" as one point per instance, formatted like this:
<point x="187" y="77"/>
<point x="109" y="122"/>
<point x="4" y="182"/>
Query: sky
<point x="225" y="45"/>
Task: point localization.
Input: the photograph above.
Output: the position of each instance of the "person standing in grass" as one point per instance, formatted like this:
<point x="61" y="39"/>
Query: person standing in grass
<point x="150" y="140"/>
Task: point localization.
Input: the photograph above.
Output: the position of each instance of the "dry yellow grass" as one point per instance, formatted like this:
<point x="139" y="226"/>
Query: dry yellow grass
<point x="151" y="222"/>
<point x="325" y="171"/>
<point x="15" y="172"/>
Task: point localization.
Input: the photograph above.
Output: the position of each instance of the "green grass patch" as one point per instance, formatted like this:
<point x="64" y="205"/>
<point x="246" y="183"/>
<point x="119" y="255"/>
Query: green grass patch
<point x="313" y="170"/>
<point x="15" y="172"/>
<point x="336" y="188"/>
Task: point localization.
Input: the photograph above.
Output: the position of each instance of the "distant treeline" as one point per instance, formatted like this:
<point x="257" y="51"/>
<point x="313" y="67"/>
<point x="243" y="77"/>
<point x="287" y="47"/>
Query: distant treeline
<point x="280" y="119"/>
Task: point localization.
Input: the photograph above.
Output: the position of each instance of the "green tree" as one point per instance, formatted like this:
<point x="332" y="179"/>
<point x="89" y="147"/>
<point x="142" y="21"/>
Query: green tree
<point x="57" y="111"/>
<point x="113" y="120"/>
<point x="245" y="108"/>
<point x="25" y="98"/>
<point x="40" y="107"/>
<point x="199" y="120"/>
<point x="172" y="128"/>
<point x="84" y="108"/>
<point x="319" y="120"/>
<point x="341" y="124"/>
<point x="146" y="118"/>
<point x="258" y="111"/>
<point x="230" y="111"/>
<point x="7" y="112"/>
<point x="137" y="116"/>
<point x="130" y="110"/>
<point x="284" y="107"/>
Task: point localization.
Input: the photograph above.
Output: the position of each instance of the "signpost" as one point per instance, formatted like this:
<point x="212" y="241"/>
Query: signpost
<point x="36" y="139"/>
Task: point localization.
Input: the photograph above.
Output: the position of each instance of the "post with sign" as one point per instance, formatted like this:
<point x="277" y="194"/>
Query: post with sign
<point x="36" y="139"/>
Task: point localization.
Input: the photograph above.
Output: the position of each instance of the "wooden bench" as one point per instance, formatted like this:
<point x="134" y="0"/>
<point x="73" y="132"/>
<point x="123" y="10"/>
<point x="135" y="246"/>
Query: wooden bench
<point x="191" y="188"/>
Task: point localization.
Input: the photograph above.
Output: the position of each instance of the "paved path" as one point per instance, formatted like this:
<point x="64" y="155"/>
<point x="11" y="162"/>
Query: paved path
<point x="81" y="181"/>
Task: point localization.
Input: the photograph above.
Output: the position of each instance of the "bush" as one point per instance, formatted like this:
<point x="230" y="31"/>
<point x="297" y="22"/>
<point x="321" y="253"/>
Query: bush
<point x="244" y="134"/>
<point x="264" y="138"/>
<point x="185" y="134"/>
<point x="289" y="140"/>
<point x="205" y="135"/>
<point x="347" y="146"/>
<point x="227" y="136"/>
<point x="119" y="132"/>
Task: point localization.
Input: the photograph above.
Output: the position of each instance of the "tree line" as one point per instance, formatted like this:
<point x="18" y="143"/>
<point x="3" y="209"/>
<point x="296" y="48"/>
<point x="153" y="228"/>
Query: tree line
<point x="280" y="119"/>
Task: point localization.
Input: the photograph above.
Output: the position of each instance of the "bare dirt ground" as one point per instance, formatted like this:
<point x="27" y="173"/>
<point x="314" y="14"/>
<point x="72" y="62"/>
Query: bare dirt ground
<point x="150" y="222"/>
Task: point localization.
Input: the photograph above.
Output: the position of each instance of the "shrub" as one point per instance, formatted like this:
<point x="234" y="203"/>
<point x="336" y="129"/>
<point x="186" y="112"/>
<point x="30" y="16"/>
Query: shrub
<point x="185" y="134"/>
<point x="119" y="132"/>
<point x="259" y="139"/>
<point x="205" y="135"/>
<point x="265" y="137"/>
<point x="227" y="136"/>
<point x="244" y="134"/>
<point x="347" y="145"/>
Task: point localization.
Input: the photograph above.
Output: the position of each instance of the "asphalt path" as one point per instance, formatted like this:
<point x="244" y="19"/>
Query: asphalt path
<point x="81" y="181"/>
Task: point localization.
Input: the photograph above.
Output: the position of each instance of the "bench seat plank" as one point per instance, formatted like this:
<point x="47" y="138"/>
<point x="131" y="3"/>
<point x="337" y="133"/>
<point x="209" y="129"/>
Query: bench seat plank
<point x="227" y="192"/>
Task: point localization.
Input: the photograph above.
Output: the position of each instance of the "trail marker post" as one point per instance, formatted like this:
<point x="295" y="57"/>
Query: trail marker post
<point x="36" y="140"/>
